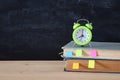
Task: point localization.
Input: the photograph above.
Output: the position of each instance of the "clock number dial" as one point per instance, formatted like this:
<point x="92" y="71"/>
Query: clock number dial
<point x="82" y="36"/>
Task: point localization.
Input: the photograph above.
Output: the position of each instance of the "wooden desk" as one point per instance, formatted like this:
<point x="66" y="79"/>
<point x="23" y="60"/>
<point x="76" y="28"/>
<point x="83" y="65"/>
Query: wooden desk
<point x="46" y="70"/>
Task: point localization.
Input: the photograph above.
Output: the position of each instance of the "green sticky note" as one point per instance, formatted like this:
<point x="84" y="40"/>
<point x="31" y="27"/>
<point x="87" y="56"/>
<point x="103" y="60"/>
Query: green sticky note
<point x="91" y="64"/>
<point x="75" y="66"/>
<point x="78" y="53"/>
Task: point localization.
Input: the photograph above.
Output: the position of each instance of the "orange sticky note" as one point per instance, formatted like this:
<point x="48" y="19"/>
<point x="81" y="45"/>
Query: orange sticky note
<point x="93" y="53"/>
<point x="91" y="63"/>
<point x="75" y="66"/>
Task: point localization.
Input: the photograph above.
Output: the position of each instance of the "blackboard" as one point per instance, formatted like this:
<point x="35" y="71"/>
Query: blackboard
<point x="37" y="29"/>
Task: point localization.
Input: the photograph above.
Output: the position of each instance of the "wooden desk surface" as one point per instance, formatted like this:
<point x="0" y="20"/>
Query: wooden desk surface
<point x="46" y="70"/>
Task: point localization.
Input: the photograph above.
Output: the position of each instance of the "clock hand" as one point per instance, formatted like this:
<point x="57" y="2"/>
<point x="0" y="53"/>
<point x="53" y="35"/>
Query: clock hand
<point x="80" y="38"/>
<point x="82" y="33"/>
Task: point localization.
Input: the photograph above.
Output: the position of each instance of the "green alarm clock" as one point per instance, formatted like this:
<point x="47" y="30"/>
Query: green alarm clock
<point x="82" y="34"/>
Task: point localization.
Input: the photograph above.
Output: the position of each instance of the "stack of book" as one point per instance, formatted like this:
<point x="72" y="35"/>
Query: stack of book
<point x="99" y="57"/>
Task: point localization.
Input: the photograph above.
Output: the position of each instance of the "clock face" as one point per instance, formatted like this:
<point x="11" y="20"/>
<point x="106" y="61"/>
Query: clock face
<point x="82" y="35"/>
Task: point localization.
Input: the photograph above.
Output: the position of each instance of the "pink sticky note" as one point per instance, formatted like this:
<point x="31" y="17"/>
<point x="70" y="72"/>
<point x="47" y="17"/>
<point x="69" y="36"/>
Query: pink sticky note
<point x="93" y="53"/>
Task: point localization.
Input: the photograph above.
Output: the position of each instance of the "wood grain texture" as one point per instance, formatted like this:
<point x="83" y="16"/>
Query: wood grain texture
<point x="105" y="54"/>
<point x="100" y="65"/>
<point x="46" y="70"/>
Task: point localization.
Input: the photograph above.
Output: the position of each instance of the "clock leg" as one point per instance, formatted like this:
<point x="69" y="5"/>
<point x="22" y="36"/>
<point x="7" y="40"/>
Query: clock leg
<point x="90" y="45"/>
<point x="74" y="45"/>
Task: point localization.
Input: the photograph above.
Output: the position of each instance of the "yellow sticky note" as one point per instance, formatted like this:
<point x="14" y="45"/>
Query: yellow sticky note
<point x="75" y="66"/>
<point x="78" y="53"/>
<point x="91" y="64"/>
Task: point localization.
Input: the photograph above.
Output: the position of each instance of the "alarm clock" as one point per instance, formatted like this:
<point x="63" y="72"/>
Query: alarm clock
<point x="82" y="33"/>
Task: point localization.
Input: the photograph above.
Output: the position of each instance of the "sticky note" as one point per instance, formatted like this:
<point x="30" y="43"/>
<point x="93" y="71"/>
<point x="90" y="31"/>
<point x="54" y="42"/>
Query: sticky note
<point x="93" y="53"/>
<point x="75" y="66"/>
<point x="91" y="63"/>
<point x="68" y="53"/>
<point x="78" y="53"/>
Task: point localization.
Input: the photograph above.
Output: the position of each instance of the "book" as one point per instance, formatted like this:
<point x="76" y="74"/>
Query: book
<point x="96" y="57"/>
<point x="100" y="50"/>
<point x="92" y="65"/>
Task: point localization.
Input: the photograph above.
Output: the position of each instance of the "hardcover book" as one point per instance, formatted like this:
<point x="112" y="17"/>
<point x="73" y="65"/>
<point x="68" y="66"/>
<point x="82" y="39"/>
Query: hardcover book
<point x="96" y="57"/>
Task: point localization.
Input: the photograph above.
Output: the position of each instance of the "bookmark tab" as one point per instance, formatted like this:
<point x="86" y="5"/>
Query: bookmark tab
<point x="68" y="53"/>
<point x="79" y="53"/>
<point x="93" y="53"/>
<point x="75" y="66"/>
<point x="91" y="64"/>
